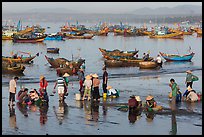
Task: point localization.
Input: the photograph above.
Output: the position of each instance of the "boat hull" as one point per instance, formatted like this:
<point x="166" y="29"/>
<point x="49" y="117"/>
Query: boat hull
<point x="171" y="57"/>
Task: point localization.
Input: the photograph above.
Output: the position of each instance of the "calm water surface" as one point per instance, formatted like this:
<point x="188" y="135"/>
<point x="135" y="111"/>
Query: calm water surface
<point x="81" y="117"/>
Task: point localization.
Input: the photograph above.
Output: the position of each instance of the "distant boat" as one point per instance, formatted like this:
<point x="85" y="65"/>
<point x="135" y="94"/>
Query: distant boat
<point x="25" y="60"/>
<point x="54" y="37"/>
<point x="176" y="57"/>
<point x="176" y="35"/>
<point x="19" y="39"/>
<point x="52" y="50"/>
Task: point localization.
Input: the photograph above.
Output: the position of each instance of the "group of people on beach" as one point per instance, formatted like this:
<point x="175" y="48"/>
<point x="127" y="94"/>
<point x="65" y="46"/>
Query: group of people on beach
<point x="175" y="95"/>
<point x="89" y="89"/>
<point x="24" y="96"/>
<point x="89" y="86"/>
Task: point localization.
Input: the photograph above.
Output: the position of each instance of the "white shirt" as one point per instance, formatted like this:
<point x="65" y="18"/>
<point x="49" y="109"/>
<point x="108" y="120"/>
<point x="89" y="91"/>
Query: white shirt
<point x="159" y="60"/>
<point x="87" y="83"/>
<point x="12" y="86"/>
<point x="111" y="91"/>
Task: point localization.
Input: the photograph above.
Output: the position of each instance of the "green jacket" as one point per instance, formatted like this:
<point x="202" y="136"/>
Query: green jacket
<point x="174" y="89"/>
<point x="189" y="77"/>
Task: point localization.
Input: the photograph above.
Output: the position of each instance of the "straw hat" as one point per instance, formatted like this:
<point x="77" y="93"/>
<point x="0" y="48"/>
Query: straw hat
<point x="88" y="77"/>
<point x="95" y="75"/>
<point x="149" y="97"/>
<point x="66" y="75"/>
<point x="67" y="63"/>
<point x="188" y="71"/>
<point x="189" y="88"/>
<point x="137" y="98"/>
<point x="41" y="77"/>
<point x="108" y="87"/>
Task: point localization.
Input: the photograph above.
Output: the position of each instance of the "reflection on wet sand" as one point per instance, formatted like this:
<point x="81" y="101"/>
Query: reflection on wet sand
<point x="105" y="108"/>
<point x="23" y="109"/>
<point x="133" y="116"/>
<point x="87" y="111"/>
<point x="61" y="112"/>
<point x="43" y="114"/>
<point x="150" y="116"/>
<point x="190" y="106"/>
<point x="95" y="110"/>
<point x="12" y="118"/>
<point x="173" y="124"/>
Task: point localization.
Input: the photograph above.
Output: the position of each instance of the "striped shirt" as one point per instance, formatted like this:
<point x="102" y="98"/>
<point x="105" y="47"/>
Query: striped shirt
<point x="60" y="82"/>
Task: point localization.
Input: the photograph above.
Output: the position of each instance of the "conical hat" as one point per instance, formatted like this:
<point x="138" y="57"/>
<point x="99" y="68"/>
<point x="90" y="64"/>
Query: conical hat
<point x="137" y="98"/>
<point x="88" y="77"/>
<point x="41" y="77"/>
<point x="66" y="75"/>
<point x="149" y="97"/>
<point x="95" y="75"/>
<point x="108" y="87"/>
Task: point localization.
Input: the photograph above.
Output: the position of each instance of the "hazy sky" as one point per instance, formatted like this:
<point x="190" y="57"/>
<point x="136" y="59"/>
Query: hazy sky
<point x="91" y="7"/>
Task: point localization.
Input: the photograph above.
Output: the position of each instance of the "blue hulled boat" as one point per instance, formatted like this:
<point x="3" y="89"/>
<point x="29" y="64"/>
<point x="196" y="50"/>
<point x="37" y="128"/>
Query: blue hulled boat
<point x="176" y="57"/>
<point x="54" y="37"/>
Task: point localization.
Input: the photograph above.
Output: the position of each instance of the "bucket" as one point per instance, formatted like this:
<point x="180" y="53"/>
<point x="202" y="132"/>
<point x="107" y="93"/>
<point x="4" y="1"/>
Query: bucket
<point x="104" y="95"/>
<point x="78" y="96"/>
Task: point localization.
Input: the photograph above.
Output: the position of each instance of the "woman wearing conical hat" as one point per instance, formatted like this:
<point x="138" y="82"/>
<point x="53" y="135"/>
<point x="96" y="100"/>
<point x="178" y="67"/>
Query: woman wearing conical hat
<point x="96" y="83"/>
<point x="87" y="83"/>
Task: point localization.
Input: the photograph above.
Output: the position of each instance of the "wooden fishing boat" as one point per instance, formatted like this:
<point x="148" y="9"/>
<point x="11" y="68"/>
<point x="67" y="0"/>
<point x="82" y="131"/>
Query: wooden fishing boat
<point x="25" y="60"/>
<point x="68" y="70"/>
<point x="53" y="50"/>
<point x="126" y="61"/>
<point x="9" y="69"/>
<point x="176" y="57"/>
<point x="61" y="62"/>
<point x="7" y="35"/>
<point x="171" y="36"/>
<point x="79" y="37"/>
<point x="19" y="39"/>
<point x="117" y="52"/>
<point x="148" y="65"/>
<point x="98" y="33"/>
<point x="113" y="63"/>
<point x="199" y="33"/>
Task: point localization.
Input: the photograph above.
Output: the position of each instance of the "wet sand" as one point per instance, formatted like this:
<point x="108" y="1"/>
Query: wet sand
<point x="83" y="118"/>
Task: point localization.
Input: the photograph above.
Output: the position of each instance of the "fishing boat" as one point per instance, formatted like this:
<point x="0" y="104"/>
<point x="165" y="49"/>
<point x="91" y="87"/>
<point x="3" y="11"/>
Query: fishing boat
<point x="53" y="50"/>
<point x="98" y="33"/>
<point x="148" y="65"/>
<point x="117" y="52"/>
<point x="176" y="57"/>
<point x="199" y="33"/>
<point x="69" y="36"/>
<point x="68" y="70"/>
<point x="171" y="35"/>
<point x="54" y="37"/>
<point x="62" y="62"/>
<point x="19" y="59"/>
<point x="7" y="68"/>
<point x="19" y="39"/>
<point x="113" y="63"/>
<point x="7" y="35"/>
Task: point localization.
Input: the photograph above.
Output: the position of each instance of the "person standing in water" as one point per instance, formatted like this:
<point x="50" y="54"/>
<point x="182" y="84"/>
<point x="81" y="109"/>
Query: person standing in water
<point x="12" y="91"/>
<point x="105" y="80"/>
